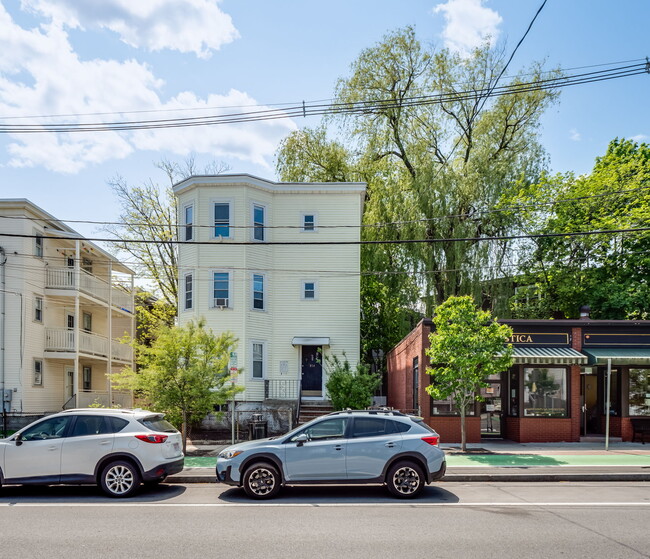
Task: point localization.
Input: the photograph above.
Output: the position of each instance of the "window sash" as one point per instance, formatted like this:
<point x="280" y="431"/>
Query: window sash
<point x="258" y="223"/>
<point x="222" y="219"/>
<point x="38" y="309"/>
<point x="221" y="287"/>
<point x="258" y="360"/>
<point x="258" y="291"/>
<point x="188" y="291"/>
<point x="308" y="222"/>
<point x="87" y="378"/>
<point x="189" y="221"/>
<point x="38" y="246"/>
<point x="38" y="372"/>
<point x="309" y="290"/>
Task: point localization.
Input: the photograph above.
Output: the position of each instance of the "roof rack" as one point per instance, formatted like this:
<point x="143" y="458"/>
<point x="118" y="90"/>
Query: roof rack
<point x="374" y="411"/>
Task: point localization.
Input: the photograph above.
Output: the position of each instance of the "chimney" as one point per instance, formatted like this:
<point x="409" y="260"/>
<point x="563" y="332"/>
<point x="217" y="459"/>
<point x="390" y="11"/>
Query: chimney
<point x="584" y="312"/>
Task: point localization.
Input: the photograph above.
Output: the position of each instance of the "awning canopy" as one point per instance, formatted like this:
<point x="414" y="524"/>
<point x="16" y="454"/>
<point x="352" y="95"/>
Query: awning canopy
<point x="310" y="341"/>
<point x="619" y="356"/>
<point x="557" y="355"/>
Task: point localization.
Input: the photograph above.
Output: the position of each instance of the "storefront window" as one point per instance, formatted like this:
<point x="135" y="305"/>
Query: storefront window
<point x="513" y="393"/>
<point x="545" y="392"/>
<point x="639" y="391"/>
<point x="447" y="407"/>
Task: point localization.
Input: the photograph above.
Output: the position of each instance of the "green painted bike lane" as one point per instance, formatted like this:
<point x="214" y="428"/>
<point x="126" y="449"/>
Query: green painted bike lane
<point x="501" y="460"/>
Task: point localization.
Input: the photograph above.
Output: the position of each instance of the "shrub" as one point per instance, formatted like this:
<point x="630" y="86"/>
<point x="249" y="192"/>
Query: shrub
<point x="349" y="388"/>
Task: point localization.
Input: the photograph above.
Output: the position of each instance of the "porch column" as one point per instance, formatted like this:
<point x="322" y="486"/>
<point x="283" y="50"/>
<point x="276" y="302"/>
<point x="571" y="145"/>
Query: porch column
<point x="77" y="279"/>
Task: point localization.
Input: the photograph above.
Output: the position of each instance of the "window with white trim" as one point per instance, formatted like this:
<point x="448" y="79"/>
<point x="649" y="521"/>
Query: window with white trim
<point x="189" y="291"/>
<point x="309" y="290"/>
<point x="222" y="211"/>
<point x="258" y="292"/>
<point x="188" y="222"/>
<point x="38" y="372"/>
<point x="221" y="289"/>
<point x="259" y="363"/>
<point x="38" y="309"/>
<point x="87" y="377"/>
<point x="87" y="321"/>
<point x="259" y="222"/>
<point x="38" y="246"/>
<point x="309" y="222"/>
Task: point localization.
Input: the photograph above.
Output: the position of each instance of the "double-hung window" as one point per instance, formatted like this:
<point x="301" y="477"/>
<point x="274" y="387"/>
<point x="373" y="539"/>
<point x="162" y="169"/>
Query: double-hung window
<point x="309" y="290"/>
<point x="258" y="292"/>
<point x="308" y="222"/>
<point x="38" y="246"/>
<point x="221" y="289"/>
<point x="222" y="219"/>
<point x="259" y="215"/>
<point x="258" y="360"/>
<point x="189" y="290"/>
<point x="38" y="309"/>
<point x="38" y="372"/>
<point x="188" y="217"/>
<point x="87" y="378"/>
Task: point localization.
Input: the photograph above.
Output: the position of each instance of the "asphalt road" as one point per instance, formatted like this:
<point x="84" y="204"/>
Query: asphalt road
<point x="455" y="520"/>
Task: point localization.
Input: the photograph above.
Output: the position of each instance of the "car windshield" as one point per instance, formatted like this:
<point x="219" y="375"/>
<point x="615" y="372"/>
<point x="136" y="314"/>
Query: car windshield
<point x="157" y="423"/>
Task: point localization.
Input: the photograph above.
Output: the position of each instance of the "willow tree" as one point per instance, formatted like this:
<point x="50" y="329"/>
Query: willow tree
<point x="440" y="147"/>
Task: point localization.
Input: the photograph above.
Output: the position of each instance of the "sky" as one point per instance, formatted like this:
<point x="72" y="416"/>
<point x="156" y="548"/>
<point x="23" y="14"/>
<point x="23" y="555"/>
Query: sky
<point x="113" y="60"/>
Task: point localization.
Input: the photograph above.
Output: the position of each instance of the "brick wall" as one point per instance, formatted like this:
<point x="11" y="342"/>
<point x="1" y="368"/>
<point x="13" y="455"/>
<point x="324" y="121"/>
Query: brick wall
<point x="449" y="428"/>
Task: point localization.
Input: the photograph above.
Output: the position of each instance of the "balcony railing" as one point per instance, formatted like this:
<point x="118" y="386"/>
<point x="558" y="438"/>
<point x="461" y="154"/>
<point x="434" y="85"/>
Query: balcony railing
<point x="101" y="398"/>
<point x="281" y="389"/>
<point x="121" y="352"/>
<point x="65" y="278"/>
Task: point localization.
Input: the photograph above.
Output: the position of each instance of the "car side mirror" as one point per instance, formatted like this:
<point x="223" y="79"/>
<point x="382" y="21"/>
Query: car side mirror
<point x="19" y="440"/>
<point x="302" y="439"/>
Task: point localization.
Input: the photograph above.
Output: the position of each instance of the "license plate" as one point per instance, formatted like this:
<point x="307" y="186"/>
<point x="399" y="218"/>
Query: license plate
<point x="177" y="447"/>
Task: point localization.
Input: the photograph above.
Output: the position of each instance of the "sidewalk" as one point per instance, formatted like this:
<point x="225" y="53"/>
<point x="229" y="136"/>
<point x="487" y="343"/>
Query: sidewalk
<point x="495" y="461"/>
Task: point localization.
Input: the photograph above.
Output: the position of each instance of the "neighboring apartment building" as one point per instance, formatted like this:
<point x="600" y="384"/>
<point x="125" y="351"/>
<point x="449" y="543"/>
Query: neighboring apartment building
<point x="260" y="259"/>
<point x="64" y="305"/>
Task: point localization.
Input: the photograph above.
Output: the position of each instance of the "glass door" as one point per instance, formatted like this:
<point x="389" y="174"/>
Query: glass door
<point x="491" y="409"/>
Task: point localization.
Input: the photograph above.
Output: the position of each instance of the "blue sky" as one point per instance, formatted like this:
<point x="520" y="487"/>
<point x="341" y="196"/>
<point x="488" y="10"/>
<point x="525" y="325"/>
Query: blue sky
<point x="109" y="58"/>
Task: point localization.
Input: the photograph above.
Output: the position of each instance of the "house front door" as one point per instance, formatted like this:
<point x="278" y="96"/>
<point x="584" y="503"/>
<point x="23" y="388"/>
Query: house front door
<point x="312" y="371"/>
<point x="69" y="383"/>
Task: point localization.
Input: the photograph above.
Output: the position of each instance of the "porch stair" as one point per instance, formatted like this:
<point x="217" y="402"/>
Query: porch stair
<point x="311" y="410"/>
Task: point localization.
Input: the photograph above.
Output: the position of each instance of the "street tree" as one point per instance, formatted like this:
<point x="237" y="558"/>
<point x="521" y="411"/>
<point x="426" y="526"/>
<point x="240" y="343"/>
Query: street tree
<point x="608" y="271"/>
<point x="466" y="348"/>
<point x="439" y="152"/>
<point x="183" y="372"/>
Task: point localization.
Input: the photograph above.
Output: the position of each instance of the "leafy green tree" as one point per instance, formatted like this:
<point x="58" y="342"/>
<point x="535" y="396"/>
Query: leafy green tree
<point x="184" y="373"/>
<point x="467" y="346"/>
<point x="437" y="161"/>
<point x="348" y="388"/>
<point x="608" y="271"/>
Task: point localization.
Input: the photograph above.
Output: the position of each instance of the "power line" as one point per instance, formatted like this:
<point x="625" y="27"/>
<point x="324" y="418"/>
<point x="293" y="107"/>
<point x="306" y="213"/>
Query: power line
<point x="318" y="109"/>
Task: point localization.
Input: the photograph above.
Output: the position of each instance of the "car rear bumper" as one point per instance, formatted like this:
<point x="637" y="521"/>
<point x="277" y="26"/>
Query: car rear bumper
<point x="163" y="470"/>
<point x="434" y="476"/>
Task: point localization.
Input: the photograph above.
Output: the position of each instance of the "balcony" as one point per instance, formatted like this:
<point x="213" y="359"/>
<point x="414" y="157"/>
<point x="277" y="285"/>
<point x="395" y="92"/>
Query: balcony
<point x="63" y="340"/>
<point x="65" y="279"/>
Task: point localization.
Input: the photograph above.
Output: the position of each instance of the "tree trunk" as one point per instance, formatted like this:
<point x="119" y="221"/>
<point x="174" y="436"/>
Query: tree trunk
<point x="463" y="437"/>
<point x="184" y="431"/>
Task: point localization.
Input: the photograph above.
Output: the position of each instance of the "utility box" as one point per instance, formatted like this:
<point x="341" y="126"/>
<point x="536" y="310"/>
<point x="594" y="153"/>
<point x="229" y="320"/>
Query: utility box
<point x="7" y="394"/>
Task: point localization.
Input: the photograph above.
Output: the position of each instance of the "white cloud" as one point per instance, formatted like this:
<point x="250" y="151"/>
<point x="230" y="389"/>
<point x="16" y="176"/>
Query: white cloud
<point x="469" y="24"/>
<point x="197" y="26"/>
<point x="639" y="138"/>
<point x="40" y="74"/>
<point x="574" y="135"/>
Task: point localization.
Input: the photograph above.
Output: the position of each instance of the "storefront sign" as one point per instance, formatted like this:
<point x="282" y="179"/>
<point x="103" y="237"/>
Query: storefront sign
<point x="613" y="340"/>
<point x="535" y="338"/>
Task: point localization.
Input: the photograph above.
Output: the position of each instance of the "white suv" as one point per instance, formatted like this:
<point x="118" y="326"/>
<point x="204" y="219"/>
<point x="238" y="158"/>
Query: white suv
<point x="116" y="449"/>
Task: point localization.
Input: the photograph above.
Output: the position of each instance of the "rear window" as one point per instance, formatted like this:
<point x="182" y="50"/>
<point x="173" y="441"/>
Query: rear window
<point x="117" y="424"/>
<point x="401" y="427"/>
<point x="424" y="425"/>
<point x="157" y="423"/>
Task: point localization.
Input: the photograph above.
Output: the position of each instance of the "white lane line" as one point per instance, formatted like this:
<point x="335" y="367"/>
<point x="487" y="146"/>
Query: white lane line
<point x="328" y="505"/>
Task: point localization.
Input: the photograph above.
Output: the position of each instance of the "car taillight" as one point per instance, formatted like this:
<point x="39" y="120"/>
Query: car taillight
<point x="152" y="438"/>
<point x="431" y="440"/>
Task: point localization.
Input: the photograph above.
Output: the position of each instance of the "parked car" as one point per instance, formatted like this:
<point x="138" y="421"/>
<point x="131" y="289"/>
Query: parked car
<point x="113" y="448"/>
<point x="347" y="447"/>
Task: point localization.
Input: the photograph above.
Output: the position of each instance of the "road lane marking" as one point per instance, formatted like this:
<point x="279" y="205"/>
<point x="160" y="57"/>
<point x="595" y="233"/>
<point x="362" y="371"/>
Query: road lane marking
<point x="328" y="505"/>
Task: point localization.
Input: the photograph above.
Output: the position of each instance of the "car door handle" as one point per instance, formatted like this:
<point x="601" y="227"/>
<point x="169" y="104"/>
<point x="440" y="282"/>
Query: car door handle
<point x="105" y="442"/>
<point x="53" y="448"/>
<point x="338" y="447"/>
<point x="390" y="444"/>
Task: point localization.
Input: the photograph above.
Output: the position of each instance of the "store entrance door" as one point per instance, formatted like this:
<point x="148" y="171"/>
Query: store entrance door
<point x="590" y="416"/>
<point x="491" y="414"/>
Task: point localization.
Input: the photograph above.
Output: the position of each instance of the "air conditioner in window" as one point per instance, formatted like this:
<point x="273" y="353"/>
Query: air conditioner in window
<point x="221" y="302"/>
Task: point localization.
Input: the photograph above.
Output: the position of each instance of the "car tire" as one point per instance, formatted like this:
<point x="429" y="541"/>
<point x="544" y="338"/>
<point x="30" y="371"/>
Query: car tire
<point x="120" y="479"/>
<point x="261" y="481"/>
<point x="405" y="480"/>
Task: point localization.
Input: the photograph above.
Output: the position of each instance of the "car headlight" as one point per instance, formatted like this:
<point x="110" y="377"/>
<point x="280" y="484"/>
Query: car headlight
<point x="229" y="453"/>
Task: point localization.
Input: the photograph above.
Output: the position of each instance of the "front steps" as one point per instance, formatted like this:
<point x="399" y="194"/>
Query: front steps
<point x="310" y="409"/>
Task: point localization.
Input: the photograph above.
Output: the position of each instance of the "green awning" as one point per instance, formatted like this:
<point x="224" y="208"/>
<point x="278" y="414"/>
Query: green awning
<point x="618" y="355"/>
<point x="555" y="355"/>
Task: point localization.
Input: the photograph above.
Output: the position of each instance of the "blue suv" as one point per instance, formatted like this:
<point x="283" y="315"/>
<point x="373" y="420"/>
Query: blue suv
<point x="354" y="447"/>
